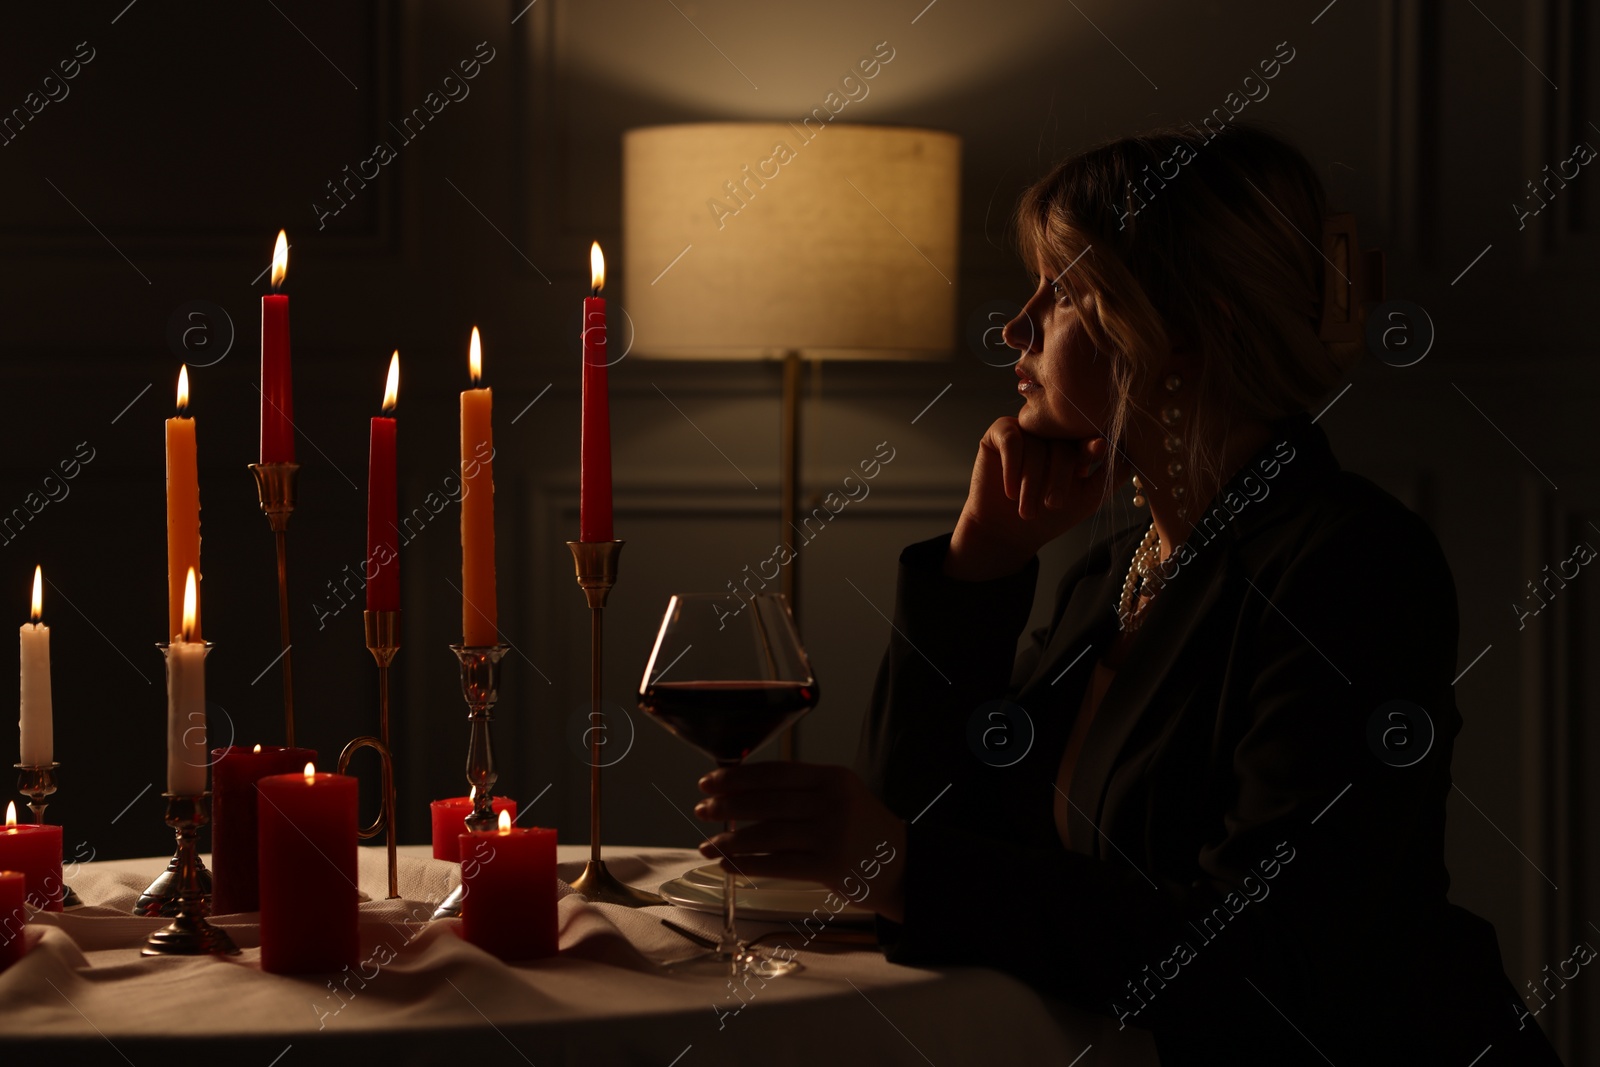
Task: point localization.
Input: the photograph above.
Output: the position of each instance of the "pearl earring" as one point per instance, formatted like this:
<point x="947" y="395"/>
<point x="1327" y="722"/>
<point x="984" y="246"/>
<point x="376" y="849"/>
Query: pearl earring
<point x="1171" y="415"/>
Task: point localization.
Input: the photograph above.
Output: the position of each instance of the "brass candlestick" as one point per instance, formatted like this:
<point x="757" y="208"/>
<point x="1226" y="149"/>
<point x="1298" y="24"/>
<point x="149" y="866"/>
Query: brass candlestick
<point x="275" y="486"/>
<point x="480" y="687"/>
<point x="596" y="566"/>
<point x="161" y="897"/>
<point x="383" y="641"/>
<point x="189" y="934"/>
<point x="36" y="782"/>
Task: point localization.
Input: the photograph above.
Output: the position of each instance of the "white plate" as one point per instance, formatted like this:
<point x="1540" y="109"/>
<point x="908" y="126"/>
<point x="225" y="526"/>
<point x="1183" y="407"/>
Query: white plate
<point x="762" y="899"/>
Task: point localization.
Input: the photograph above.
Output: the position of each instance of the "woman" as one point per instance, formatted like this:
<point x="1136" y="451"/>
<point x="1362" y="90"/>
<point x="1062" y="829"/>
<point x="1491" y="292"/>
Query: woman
<point x="1189" y="803"/>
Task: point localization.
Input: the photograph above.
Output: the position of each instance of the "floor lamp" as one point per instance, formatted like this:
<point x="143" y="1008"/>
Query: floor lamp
<point x="790" y="241"/>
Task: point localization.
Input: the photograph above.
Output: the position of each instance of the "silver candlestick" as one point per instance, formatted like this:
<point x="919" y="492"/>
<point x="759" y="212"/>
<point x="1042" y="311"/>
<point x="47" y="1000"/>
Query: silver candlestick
<point x="480" y="684"/>
<point x="189" y="934"/>
<point x="160" y="897"/>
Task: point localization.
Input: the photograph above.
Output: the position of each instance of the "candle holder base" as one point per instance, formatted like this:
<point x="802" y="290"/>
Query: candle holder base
<point x="599" y="886"/>
<point x="451" y="908"/>
<point x="160" y="898"/>
<point x="189" y="934"/>
<point x="36" y="781"/>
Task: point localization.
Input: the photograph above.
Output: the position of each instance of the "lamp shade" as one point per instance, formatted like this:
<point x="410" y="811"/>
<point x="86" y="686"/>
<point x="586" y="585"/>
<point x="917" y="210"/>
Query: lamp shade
<point x="748" y="241"/>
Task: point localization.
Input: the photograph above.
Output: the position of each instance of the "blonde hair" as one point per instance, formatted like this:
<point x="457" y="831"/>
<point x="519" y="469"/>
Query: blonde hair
<point x="1212" y="243"/>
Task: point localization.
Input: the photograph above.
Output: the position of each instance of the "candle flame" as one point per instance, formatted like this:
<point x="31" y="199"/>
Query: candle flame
<point x="280" y="260"/>
<point x="597" y="268"/>
<point x="189" y="606"/>
<point x="183" y="388"/>
<point x="11" y="813"/>
<point x="391" y="388"/>
<point x="505" y="821"/>
<point x="475" y="357"/>
<point x="311" y="773"/>
<point x="256" y="749"/>
<point x="38" y="592"/>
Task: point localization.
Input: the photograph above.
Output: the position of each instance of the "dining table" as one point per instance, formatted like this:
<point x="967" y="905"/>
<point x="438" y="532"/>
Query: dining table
<point x="83" y="993"/>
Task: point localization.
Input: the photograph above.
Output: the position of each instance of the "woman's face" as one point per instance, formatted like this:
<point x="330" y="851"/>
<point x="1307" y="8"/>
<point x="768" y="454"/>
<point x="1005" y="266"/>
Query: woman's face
<point x="1065" y="384"/>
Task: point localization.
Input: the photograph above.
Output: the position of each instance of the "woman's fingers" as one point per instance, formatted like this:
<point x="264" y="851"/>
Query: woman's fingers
<point x="1036" y="457"/>
<point x="751" y="805"/>
<point x="1062" y="461"/>
<point x="778" y="865"/>
<point x="1008" y="442"/>
<point x="774" y="835"/>
<point x="768" y="774"/>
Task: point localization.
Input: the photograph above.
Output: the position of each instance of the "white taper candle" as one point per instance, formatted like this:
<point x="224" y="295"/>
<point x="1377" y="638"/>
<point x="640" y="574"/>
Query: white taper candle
<point x="38" y="740"/>
<point x="186" y="705"/>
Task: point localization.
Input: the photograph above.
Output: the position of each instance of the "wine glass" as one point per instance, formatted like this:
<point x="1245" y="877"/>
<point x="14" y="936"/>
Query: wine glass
<point x="728" y="674"/>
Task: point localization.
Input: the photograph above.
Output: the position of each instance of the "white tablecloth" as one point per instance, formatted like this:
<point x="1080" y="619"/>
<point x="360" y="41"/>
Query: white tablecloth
<point x="84" y="988"/>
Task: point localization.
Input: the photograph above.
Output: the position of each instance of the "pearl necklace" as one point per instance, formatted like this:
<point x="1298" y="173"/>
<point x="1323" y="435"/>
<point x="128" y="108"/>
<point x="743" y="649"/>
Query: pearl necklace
<point x="1141" y="577"/>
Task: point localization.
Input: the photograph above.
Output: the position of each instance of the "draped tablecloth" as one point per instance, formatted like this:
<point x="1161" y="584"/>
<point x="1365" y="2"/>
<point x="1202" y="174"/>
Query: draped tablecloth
<point x="425" y="996"/>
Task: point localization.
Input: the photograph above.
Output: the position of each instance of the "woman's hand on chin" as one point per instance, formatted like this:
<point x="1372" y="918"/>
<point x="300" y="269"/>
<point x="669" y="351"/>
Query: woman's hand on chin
<point x="809" y="821"/>
<point x="1026" y="491"/>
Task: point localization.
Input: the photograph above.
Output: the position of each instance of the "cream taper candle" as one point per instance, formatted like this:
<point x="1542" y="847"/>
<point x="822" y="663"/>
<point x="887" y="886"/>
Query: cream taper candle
<point x="186" y="704"/>
<point x="38" y="739"/>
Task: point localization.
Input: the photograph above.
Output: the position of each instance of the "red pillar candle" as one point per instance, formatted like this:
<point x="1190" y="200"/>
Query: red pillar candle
<point x="13" y="917"/>
<point x="309" y="899"/>
<point x="594" y="470"/>
<point x="35" y="850"/>
<point x="277" y="398"/>
<point x="508" y="907"/>
<point x="383" y="514"/>
<point x="449" y="823"/>
<point x="234" y="819"/>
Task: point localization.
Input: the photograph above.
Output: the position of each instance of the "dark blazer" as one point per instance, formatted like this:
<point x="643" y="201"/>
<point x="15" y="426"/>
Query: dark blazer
<point x="1257" y="873"/>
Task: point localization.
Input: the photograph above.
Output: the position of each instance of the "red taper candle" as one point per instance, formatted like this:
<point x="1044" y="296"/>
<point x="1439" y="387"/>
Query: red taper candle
<point x="383" y="514"/>
<point x="480" y="612"/>
<point x="594" y="471"/>
<point x="277" y="398"/>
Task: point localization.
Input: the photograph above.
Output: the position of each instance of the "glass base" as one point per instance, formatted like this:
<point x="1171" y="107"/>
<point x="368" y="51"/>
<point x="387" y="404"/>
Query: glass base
<point x="754" y="962"/>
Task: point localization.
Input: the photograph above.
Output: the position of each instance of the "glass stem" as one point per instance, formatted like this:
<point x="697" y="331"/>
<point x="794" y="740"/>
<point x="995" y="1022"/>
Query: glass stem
<point x="729" y="946"/>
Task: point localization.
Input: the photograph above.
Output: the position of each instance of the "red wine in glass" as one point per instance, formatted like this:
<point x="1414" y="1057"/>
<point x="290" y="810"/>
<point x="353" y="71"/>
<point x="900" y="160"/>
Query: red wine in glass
<point x="727" y="720"/>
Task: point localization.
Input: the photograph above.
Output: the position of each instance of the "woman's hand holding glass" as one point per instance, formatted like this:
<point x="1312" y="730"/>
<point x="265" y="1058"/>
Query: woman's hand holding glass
<point x="809" y="821"/>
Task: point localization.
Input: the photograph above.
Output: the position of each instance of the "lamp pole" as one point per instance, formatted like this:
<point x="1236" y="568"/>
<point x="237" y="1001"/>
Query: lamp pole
<point x="793" y="365"/>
